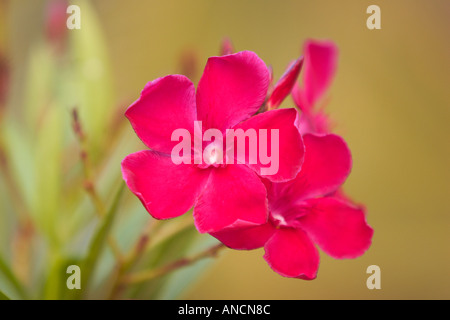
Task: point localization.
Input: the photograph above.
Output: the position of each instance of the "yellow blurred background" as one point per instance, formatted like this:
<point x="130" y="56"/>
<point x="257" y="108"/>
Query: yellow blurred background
<point x="390" y="101"/>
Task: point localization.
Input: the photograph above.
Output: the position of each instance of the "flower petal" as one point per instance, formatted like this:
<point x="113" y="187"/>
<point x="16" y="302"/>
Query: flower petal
<point x="292" y="254"/>
<point x="165" y="189"/>
<point x="340" y="229"/>
<point x="226" y="47"/>
<point x="245" y="238"/>
<point x="316" y="122"/>
<point x="232" y="88"/>
<point x="165" y="104"/>
<point x="326" y="166"/>
<point x="319" y="69"/>
<point x="284" y="86"/>
<point x="289" y="152"/>
<point x="233" y="197"/>
<point x="341" y="195"/>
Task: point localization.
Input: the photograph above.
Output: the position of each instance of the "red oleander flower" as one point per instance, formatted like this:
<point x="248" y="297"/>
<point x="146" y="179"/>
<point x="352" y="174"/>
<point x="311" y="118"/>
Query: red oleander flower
<point x="231" y="90"/>
<point x="319" y="69"/>
<point x="306" y="211"/>
<point x="285" y="84"/>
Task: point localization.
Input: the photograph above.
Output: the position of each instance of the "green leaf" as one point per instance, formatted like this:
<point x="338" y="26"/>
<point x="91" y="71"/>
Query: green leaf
<point x="21" y="159"/>
<point x="92" y="91"/>
<point x="3" y="296"/>
<point x="48" y="197"/>
<point x="6" y="272"/>
<point x="56" y="286"/>
<point x="97" y="244"/>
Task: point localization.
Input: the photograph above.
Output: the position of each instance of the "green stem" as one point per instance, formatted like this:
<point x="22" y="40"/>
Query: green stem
<point x="130" y="261"/>
<point x="98" y="241"/>
<point x="158" y="272"/>
<point x="89" y="185"/>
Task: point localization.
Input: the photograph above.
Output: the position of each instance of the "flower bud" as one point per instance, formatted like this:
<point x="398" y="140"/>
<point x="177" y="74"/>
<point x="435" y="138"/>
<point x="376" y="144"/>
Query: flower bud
<point x="55" y="23"/>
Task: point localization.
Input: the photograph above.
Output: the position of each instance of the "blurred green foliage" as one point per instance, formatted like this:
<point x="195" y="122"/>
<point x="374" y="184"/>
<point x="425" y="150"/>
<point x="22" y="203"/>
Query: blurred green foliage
<point x="62" y="141"/>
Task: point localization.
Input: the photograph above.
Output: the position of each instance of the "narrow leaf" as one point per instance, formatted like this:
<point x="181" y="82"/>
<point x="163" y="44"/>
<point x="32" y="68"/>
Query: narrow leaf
<point x="98" y="242"/>
<point x="3" y="296"/>
<point x="6" y="272"/>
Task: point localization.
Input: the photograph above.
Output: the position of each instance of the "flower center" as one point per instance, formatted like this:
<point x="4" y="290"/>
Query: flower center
<point x="213" y="155"/>
<point x="278" y="220"/>
<point x="288" y="215"/>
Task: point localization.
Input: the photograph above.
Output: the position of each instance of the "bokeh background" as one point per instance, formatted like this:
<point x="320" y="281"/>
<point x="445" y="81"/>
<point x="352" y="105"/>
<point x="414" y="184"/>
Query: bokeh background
<point x="390" y="100"/>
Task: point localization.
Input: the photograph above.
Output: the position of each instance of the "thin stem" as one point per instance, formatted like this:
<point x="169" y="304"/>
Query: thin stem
<point x="89" y="185"/>
<point x="141" y="243"/>
<point x="159" y="232"/>
<point x="98" y="240"/>
<point x="144" y="244"/>
<point x="158" y="272"/>
<point x="131" y="259"/>
<point x="87" y="168"/>
<point x="168" y="230"/>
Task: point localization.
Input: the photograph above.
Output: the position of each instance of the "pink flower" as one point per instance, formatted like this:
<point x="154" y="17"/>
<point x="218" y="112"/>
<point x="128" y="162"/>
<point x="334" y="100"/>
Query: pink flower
<point x="307" y="211"/>
<point x="319" y="69"/>
<point x="231" y="90"/>
<point x="285" y="84"/>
